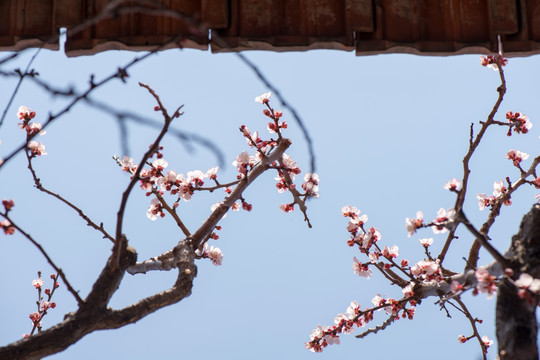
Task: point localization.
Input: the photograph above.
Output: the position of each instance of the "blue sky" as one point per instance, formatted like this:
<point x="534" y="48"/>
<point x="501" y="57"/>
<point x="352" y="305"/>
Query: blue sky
<point x="388" y="132"/>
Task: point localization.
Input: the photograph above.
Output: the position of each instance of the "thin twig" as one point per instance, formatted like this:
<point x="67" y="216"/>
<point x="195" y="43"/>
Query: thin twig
<point x="473" y="145"/>
<point x="47" y="257"/>
<point x="40" y="187"/>
<point x="125" y="195"/>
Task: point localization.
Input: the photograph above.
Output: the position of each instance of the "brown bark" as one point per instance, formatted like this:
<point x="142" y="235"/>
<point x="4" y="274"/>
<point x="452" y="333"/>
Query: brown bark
<point x="93" y="314"/>
<point x="516" y="325"/>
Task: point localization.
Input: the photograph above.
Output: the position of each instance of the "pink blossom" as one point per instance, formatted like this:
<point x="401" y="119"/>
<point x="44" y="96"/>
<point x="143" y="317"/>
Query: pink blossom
<point x="452" y="184"/>
<point x="455" y="286"/>
<point x="35" y="128"/>
<point x="160" y="164"/>
<point x="360" y="269"/>
<point x="311" y="184"/>
<point x="196" y="177"/>
<point x="426" y="269"/>
<point x="390" y="253"/>
<point x="373" y="257"/>
<point x="38" y="283"/>
<point x="211" y="173"/>
<point x="408" y="290"/>
<point x="444" y="220"/>
<point x="287" y="207"/>
<point x="36" y="148"/>
<point x="516" y="156"/>
<point x="290" y="164"/>
<point x="367" y="239"/>
<point x="353" y="310"/>
<point x="155" y="210"/>
<point x="411" y="225"/>
<point x="7" y="227"/>
<point x="487" y="342"/>
<point x="378" y="300"/>
<point x="264" y="98"/>
<point x="527" y="282"/>
<point x="486" y="282"/>
<point x="491" y="61"/>
<point x="520" y="123"/>
<point x="185" y="188"/>
<point x="213" y="253"/>
<point x="356" y="222"/>
<point x="35" y="317"/>
<point x="45" y="305"/>
<point x="350" y="211"/>
<point x="485" y="201"/>
<point x="499" y="190"/>
<point x="242" y="161"/>
<point x="25" y="113"/>
<point x="462" y="338"/>
<point x="127" y="163"/>
<point x="426" y="242"/>
<point x="536" y="182"/>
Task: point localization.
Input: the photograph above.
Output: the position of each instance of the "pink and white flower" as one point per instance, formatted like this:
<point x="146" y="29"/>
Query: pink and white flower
<point x="360" y="269"/>
<point x="516" y="156"/>
<point x="38" y="283"/>
<point x="214" y="254"/>
<point x="527" y="282"/>
<point x="211" y="173"/>
<point x="263" y="98"/>
<point x="391" y="253"/>
<point x="37" y="149"/>
<point x="444" y="220"/>
<point x="408" y="290"/>
<point x="311" y="184"/>
<point x="426" y="269"/>
<point x="426" y="242"/>
<point x="411" y="225"/>
<point x="25" y="113"/>
<point x="350" y="211"/>
<point x="155" y="210"/>
<point x="160" y="164"/>
<point x="485" y="282"/>
<point x="520" y="122"/>
<point x="452" y="184"/>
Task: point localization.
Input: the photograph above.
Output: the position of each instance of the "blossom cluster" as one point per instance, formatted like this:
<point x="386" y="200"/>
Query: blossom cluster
<point x="516" y="156"/>
<point x="491" y="61"/>
<point x="366" y="240"/>
<point x="499" y="190"/>
<point x="42" y="304"/>
<point x="287" y="168"/>
<point x="156" y="180"/>
<point x="211" y="252"/>
<point x="345" y="323"/>
<point x="487" y="342"/>
<point x="527" y="287"/>
<point x="32" y="128"/>
<point x="445" y="220"/>
<point x="486" y="283"/>
<point x="520" y="122"/>
<point x="5" y="224"/>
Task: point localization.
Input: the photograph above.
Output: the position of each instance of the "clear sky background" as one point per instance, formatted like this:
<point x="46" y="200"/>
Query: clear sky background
<point x="388" y="132"/>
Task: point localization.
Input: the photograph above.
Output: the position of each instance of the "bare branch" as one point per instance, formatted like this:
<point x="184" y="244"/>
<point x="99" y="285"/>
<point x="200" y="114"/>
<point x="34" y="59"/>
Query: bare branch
<point x="58" y="270"/>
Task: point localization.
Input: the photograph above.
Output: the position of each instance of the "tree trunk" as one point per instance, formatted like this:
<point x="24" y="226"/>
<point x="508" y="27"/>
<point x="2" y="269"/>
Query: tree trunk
<point x="515" y="317"/>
